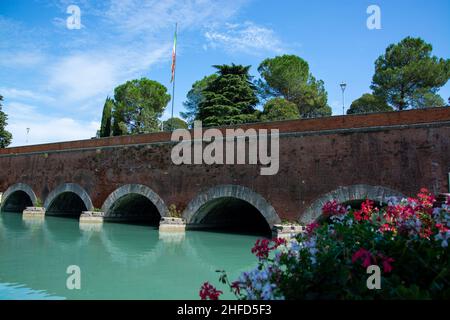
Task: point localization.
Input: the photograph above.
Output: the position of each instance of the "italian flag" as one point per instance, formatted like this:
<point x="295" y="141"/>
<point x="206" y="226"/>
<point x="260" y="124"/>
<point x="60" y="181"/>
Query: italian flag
<point x="174" y="53"/>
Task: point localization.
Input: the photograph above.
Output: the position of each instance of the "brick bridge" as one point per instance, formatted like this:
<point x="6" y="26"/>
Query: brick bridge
<point x="132" y="177"/>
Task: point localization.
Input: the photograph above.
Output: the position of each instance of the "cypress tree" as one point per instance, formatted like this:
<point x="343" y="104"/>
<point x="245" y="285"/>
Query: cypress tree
<point x="105" y="129"/>
<point x="5" y="136"/>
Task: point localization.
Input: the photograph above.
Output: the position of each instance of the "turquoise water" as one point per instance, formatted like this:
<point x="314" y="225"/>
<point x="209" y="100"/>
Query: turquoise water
<point x="117" y="261"/>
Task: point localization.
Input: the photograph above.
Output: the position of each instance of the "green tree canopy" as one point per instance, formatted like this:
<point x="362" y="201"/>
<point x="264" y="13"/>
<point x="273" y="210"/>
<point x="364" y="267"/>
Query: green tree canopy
<point x="106" y="125"/>
<point x="288" y="76"/>
<point x="407" y="71"/>
<point x="426" y="99"/>
<point x="174" y="123"/>
<point x="194" y="97"/>
<point x="5" y="136"/>
<point x="137" y="106"/>
<point x="279" y="109"/>
<point x="230" y="98"/>
<point x="368" y="103"/>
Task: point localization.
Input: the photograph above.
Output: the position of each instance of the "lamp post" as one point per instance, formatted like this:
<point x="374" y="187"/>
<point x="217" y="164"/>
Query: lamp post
<point x="343" y="86"/>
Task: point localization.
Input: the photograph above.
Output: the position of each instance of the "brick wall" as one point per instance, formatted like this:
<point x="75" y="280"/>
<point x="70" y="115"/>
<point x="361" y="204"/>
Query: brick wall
<point x="402" y="151"/>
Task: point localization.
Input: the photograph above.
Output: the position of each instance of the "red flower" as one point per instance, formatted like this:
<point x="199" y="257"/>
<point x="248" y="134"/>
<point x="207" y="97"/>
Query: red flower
<point x="426" y="199"/>
<point x="387" y="264"/>
<point x="367" y="207"/>
<point x="208" y="291"/>
<point x="332" y="208"/>
<point x="364" y="255"/>
<point x="425" y="233"/>
<point x="387" y="227"/>
<point x="236" y="287"/>
<point x="441" y="227"/>
<point x="262" y="247"/>
<point x="311" y="227"/>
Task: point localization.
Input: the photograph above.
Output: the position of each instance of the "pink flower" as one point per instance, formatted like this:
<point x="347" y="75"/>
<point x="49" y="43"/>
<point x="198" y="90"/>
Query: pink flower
<point x="311" y="227"/>
<point x="426" y="199"/>
<point x="208" y="291"/>
<point x="367" y="207"/>
<point x="441" y="227"/>
<point x="262" y="247"/>
<point x="364" y="255"/>
<point x="387" y="227"/>
<point x="332" y="208"/>
<point x="236" y="287"/>
<point x="387" y="264"/>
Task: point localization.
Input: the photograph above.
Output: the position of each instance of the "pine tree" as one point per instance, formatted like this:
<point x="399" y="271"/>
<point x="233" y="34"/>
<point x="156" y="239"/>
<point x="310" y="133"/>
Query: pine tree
<point x="194" y="97"/>
<point x="229" y="99"/>
<point x="5" y="136"/>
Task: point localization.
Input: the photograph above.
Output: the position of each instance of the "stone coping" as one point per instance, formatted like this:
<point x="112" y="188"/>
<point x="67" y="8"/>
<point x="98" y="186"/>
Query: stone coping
<point x="92" y="214"/>
<point x="406" y="117"/>
<point x="35" y="209"/>
<point x="172" y="221"/>
<point x="288" y="228"/>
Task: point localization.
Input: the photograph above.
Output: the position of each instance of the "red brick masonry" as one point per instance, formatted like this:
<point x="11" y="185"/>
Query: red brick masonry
<point x="402" y="151"/>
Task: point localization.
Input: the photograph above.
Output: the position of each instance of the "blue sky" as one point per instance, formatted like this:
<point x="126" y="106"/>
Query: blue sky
<point x="55" y="80"/>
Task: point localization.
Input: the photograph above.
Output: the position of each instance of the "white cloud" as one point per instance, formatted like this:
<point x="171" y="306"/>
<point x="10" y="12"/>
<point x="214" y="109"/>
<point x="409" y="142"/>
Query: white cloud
<point x="87" y="76"/>
<point x="247" y="37"/>
<point x="79" y="77"/>
<point x="45" y="128"/>
<point x="13" y="93"/>
<point x="136" y="16"/>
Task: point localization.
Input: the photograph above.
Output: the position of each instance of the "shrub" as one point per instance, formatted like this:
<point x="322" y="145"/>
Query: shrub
<point x="407" y="240"/>
<point x="174" y="212"/>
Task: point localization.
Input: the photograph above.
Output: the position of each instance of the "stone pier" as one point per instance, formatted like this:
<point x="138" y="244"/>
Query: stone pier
<point x="90" y="217"/>
<point x="172" y="225"/>
<point x="286" y="231"/>
<point x="33" y="213"/>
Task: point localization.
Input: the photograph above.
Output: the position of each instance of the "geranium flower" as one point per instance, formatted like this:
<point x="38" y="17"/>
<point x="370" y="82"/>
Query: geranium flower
<point x="332" y="208"/>
<point x="367" y="208"/>
<point x="425" y="198"/>
<point x="262" y="247"/>
<point x="236" y="287"/>
<point x="387" y="227"/>
<point x="364" y="255"/>
<point x="386" y="261"/>
<point x="208" y="291"/>
<point x="311" y="227"/>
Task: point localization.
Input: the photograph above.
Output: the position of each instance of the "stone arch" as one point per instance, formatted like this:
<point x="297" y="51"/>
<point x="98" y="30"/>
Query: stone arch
<point x="193" y="215"/>
<point x="348" y="193"/>
<point x="69" y="188"/>
<point x="137" y="189"/>
<point x="19" y="187"/>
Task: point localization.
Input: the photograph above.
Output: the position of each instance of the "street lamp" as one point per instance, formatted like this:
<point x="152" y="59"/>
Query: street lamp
<point x="343" y="86"/>
<point x="28" y="132"/>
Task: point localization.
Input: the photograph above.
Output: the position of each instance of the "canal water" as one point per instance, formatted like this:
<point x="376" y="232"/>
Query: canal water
<point x="117" y="261"/>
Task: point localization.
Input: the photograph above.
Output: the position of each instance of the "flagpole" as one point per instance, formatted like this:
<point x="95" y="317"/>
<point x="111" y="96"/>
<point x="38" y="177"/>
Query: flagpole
<point x="175" y="68"/>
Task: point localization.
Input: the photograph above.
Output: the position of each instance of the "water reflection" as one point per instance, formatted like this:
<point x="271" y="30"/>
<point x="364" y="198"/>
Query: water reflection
<point x="117" y="261"/>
